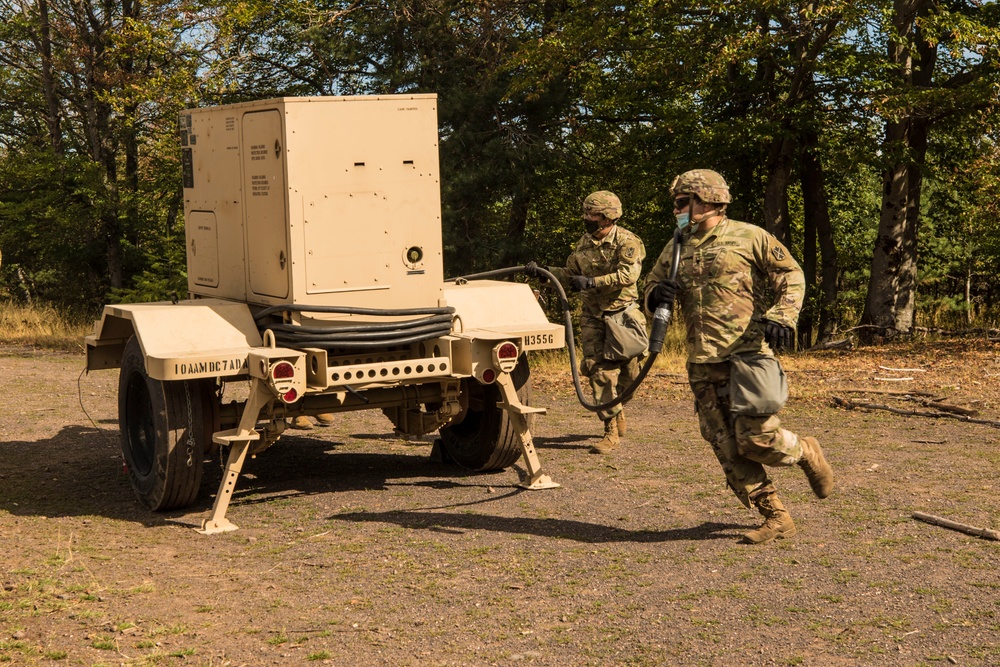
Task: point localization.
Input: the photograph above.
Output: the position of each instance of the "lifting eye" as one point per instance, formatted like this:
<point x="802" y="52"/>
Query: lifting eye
<point x="414" y="255"/>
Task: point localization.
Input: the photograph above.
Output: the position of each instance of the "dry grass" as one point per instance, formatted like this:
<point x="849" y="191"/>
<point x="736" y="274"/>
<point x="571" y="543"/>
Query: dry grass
<point x="42" y="327"/>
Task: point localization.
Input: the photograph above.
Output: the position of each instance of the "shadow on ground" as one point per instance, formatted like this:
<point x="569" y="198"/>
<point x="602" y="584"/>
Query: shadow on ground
<point x="579" y="531"/>
<point x="79" y="472"/>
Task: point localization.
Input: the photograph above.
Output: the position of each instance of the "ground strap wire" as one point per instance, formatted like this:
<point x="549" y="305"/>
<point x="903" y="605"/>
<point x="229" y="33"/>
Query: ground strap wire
<point x="661" y="318"/>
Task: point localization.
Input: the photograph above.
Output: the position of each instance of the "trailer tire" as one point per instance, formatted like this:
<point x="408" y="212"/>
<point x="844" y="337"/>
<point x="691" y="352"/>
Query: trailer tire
<point x="486" y="439"/>
<point x="165" y="429"/>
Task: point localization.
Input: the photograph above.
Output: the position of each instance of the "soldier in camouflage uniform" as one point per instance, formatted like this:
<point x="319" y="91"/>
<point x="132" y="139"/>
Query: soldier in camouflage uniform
<point x="605" y="267"/>
<point x="727" y="270"/>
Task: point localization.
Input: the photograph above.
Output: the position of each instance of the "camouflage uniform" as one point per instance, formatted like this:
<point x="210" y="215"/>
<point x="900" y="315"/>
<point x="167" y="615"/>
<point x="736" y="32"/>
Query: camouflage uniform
<point x="728" y="276"/>
<point x="615" y="264"/>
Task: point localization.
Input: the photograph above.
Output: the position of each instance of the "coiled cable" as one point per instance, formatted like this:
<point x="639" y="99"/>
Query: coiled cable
<point x="436" y="322"/>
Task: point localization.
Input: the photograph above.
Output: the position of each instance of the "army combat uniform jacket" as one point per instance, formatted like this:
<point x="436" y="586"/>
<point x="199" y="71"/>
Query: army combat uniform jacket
<point x="615" y="264"/>
<point x="732" y="277"/>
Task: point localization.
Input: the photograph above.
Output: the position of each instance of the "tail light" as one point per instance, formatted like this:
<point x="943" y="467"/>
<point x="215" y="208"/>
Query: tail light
<point x="505" y="356"/>
<point x="281" y="377"/>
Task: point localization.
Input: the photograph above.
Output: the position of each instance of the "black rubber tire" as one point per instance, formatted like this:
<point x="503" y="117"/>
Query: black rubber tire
<point x="485" y="439"/>
<point x="165" y="428"/>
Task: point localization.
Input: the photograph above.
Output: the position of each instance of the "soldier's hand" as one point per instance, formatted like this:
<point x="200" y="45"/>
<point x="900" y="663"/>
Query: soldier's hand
<point x="663" y="292"/>
<point x="580" y="283"/>
<point x="532" y="269"/>
<point x="778" y="336"/>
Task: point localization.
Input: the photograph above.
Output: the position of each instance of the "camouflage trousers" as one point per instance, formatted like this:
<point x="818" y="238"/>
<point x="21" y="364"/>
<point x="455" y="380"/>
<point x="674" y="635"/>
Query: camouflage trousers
<point x="743" y="444"/>
<point x="607" y="378"/>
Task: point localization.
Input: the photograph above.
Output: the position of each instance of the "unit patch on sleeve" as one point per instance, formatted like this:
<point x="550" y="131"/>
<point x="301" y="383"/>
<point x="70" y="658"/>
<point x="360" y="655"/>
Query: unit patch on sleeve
<point x="778" y="253"/>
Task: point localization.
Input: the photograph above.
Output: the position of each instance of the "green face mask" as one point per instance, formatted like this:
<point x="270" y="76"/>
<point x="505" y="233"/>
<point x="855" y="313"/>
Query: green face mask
<point x="591" y="225"/>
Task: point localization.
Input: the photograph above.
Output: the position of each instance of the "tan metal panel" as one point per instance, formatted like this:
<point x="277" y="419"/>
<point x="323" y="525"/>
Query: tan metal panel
<point x="363" y="263"/>
<point x="493" y="304"/>
<point x="203" y="248"/>
<point x="265" y="203"/>
<point x="210" y="147"/>
<point x="200" y="331"/>
<point x="365" y="172"/>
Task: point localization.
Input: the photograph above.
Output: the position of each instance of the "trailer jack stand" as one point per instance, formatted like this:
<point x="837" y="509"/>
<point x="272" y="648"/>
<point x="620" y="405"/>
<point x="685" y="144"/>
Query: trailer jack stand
<point x="518" y="414"/>
<point x="239" y="440"/>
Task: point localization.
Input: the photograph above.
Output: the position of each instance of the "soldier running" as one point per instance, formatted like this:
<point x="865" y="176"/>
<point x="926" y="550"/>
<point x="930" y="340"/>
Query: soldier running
<point x="726" y="270"/>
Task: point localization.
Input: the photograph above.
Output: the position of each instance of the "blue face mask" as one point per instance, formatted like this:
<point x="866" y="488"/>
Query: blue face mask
<point x="683" y="219"/>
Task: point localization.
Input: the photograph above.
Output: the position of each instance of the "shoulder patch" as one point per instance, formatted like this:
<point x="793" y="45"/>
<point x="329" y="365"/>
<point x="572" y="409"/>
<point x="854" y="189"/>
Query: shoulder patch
<point x="629" y="252"/>
<point x="778" y="253"/>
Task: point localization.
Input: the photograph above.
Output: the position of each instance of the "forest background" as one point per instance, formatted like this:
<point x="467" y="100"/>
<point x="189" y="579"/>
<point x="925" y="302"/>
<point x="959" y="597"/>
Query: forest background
<point x="864" y="134"/>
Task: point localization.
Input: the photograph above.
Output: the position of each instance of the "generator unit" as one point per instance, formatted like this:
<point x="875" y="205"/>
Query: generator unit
<point x="315" y="275"/>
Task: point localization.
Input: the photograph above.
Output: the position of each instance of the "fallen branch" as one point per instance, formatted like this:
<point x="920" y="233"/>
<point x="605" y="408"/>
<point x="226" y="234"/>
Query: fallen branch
<point x="950" y="408"/>
<point x="903" y="370"/>
<point x="891" y="392"/>
<point x="893" y="379"/>
<point x="850" y="405"/>
<point x="985" y="533"/>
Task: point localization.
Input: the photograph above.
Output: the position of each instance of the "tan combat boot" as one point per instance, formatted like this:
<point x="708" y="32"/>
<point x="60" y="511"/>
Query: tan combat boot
<point x="324" y="419"/>
<point x="609" y="442"/>
<point x="302" y="423"/>
<point x="620" y="423"/>
<point x="777" y="521"/>
<point x="817" y="470"/>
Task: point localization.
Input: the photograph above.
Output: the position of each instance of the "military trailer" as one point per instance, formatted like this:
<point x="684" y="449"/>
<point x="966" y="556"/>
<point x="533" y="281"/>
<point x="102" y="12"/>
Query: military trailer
<point x="315" y="279"/>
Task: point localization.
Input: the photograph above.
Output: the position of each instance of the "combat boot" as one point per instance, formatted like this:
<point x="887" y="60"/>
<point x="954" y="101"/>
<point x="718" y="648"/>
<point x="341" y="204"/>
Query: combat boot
<point x="777" y="521"/>
<point x="817" y="470"/>
<point x="324" y="419"/>
<point x="302" y="423"/>
<point x="620" y="423"/>
<point x="609" y="442"/>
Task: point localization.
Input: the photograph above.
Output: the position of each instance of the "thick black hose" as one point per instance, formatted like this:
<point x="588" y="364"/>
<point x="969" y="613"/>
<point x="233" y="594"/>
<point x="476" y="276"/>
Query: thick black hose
<point x="357" y="337"/>
<point x="661" y="318"/>
<point x="353" y="310"/>
<point x="369" y="327"/>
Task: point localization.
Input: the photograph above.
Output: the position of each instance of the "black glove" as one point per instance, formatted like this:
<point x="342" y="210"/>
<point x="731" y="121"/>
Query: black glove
<point x="580" y="283"/>
<point x="663" y="292"/>
<point x="533" y="269"/>
<point x="778" y="336"/>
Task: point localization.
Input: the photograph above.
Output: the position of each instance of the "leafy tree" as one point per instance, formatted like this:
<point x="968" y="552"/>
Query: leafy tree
<point x="97" y="86"/>
<point x="929" y="77"/>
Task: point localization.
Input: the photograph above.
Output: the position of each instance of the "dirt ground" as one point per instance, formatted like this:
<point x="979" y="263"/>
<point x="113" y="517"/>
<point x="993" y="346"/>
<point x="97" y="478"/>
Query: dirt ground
<point x="354" y="549"/>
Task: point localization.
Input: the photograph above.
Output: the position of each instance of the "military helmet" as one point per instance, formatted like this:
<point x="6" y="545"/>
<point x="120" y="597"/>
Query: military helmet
<point x="606" y="203"/>
<point x="707" y="184"/>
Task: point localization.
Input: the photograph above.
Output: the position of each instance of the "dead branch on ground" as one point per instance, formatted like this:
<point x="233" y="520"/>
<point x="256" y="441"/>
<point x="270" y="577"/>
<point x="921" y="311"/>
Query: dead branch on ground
<point x="851" y="405"/>
<point x="954" y="525"/>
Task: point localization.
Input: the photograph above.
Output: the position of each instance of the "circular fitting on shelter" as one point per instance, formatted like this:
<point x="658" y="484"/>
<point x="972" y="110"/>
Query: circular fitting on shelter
<point x="413" y="257"/>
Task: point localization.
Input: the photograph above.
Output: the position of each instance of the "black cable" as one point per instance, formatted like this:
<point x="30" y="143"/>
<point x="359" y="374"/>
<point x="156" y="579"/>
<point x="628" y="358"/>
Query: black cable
<point x="661" y="318"/>
<point x="356" y="337"/>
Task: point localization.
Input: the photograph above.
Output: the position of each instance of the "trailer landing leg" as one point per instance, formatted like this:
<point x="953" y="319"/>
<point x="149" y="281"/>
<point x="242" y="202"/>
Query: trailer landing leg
<point x="239" y="440"/>
<point x="518" y="414"/>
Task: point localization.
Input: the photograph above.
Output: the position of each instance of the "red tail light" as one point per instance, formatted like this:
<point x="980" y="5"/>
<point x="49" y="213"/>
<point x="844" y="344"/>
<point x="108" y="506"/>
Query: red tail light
<point x="282" y="371"/>
<point x="507" y="351"/>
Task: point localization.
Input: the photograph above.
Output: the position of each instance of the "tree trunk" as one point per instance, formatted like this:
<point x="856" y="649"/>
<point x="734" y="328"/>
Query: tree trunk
<point x="52" y="115"/>
<point x="513" y="252"/>
<point x="819" y="228"/>
<point x="890" y="306"/>
<point x="779" y="167"/>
